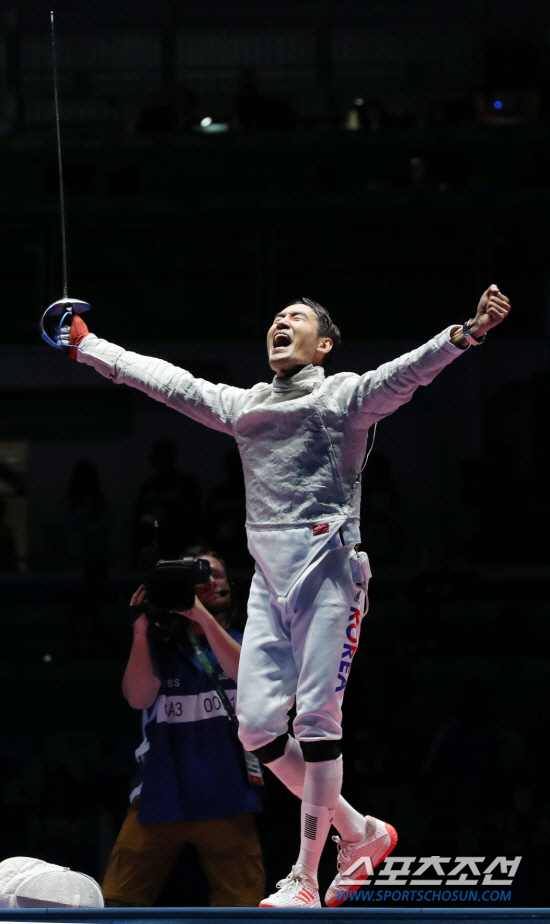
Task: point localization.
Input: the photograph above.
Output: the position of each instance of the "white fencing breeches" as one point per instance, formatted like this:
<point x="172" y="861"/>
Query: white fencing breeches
<point x="300" y="648"/>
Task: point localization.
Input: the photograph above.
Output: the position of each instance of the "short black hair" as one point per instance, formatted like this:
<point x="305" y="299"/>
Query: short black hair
<point x="325" y="324"/>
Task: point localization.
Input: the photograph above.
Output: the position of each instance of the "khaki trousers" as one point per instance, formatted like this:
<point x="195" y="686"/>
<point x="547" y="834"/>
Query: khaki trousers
<point x="228" y="850"/>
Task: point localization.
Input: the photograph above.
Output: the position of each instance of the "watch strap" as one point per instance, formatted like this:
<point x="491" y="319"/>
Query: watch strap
<point x="469" y="338"/>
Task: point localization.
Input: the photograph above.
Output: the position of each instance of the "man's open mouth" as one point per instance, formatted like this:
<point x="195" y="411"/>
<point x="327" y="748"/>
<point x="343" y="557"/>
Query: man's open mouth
<point x="281" y="340"/>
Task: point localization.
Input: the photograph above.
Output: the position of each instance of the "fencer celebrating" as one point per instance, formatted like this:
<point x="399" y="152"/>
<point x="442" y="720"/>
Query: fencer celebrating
<point x="302" y="440"/>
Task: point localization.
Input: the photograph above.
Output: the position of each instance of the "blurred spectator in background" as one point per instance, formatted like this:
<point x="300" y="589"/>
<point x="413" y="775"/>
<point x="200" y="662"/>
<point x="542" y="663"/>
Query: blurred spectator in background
<point x="465" y="540"/>
<point x="55" y="792"/>
<point x="365" y="113"/>
<point x="382" y="512"/>
<point x="8" y="112"/>
<point x="256" y="112"/>
<point x="169" y="498"/>
<point x="511" y="62"/>
<point x="486" y="105"/>
<point x="16" y="751"/>
<point x="470" y="768"/>
<point x="173" y="112"/>
<point x="12" y="492"/>
<point x="87" y="522"/>
<point x="226" y="513"/>
<point x="8" y="552"/>
<point x="514" y="76"/>
<point x="507" y="439"/>
<point x="369" y="113"/>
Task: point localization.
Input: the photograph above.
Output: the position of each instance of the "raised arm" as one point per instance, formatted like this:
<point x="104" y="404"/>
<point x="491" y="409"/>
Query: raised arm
<point x="492" y="309"/>
<point x="377" y="394"/>
<point x="212" y="405"/>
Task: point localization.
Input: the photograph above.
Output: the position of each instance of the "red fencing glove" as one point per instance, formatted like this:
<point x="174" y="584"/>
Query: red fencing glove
<point x="79" y="330"/>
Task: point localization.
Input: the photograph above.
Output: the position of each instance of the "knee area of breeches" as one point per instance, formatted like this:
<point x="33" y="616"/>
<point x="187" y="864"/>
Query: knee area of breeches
<point x="254" y="737"/>
<point x="273" y="750"/>
<point x="316" y="751"/>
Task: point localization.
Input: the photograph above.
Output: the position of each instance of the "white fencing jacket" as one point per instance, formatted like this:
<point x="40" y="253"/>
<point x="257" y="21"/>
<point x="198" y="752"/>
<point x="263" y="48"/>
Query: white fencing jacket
<point x="302" y="439"/>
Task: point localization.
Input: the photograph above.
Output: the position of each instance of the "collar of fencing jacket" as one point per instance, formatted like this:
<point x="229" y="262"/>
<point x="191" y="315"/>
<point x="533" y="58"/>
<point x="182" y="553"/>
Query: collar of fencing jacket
<point x="305" y="380"/>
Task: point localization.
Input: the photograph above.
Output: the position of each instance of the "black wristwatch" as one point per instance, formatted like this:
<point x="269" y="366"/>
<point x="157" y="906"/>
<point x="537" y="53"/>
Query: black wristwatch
<point x="469" y="338"/>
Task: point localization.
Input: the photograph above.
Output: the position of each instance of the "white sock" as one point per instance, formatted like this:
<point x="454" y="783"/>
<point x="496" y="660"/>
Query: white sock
<point x="290" y="770"/>
<point x="322" y="784"/>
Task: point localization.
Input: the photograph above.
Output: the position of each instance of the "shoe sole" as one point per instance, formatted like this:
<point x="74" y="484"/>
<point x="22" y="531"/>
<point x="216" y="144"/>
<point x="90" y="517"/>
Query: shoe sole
<point x="393" y="841"/>
<point x="291" y="907"/>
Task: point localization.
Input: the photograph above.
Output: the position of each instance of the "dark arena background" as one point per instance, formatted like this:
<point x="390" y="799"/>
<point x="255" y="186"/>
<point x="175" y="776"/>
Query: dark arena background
<point x="390" y="159"/>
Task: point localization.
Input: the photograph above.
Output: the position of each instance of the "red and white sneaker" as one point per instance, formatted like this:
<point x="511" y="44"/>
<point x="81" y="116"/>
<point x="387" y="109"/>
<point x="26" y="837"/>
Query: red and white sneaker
<point x="295" y="891"/>
<point x="377" y="845"/>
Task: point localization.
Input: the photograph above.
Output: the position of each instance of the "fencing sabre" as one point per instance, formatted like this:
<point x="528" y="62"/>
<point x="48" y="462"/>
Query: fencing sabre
<point x="60" y="313"/>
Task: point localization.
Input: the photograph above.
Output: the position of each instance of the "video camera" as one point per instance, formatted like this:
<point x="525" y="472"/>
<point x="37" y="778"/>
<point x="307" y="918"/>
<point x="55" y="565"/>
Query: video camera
<point x="170" y="587"/>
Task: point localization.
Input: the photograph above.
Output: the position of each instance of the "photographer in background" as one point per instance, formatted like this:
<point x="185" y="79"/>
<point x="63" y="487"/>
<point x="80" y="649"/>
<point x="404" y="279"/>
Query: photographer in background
<point x="193" y="785"/>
